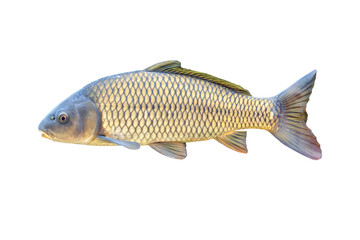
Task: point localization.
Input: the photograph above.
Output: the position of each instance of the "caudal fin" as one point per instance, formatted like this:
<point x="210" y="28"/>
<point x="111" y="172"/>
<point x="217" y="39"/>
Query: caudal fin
<point x="292" y="130"/>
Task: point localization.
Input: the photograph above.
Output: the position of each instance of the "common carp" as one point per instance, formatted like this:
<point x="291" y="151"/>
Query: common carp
<point x="165" y="106"/>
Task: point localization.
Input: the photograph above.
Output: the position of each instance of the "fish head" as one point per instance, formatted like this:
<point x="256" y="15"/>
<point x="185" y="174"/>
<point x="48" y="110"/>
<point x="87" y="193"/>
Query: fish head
<point x="75" y="120"/>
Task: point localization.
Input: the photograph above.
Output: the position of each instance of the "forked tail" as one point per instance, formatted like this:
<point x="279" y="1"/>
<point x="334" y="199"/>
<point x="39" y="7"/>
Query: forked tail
<point x="292" y="130"/>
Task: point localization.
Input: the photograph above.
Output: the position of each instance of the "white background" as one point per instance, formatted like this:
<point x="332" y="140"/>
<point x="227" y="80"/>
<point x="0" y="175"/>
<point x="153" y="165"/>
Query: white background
<point x="52" y="190"/>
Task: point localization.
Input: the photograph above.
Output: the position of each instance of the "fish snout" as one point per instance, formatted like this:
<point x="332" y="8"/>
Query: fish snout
<point x="43" y="129"/>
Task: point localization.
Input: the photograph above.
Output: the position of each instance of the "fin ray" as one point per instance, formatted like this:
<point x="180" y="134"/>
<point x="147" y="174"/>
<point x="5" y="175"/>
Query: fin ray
<point x="175" y="150"/>
<point x="175" y="67"/>
<point x="235" y="140"/>
<point x="292" y="130"/>
<point x="127" y="144"/>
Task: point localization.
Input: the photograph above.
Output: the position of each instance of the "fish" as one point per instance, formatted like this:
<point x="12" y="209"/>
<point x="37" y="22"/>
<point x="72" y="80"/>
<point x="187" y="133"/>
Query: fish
<point x="166" y="106"/>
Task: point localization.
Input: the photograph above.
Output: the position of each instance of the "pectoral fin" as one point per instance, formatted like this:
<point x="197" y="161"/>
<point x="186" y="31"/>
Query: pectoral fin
<point x="235" y="140"/>
<point x="127" y="144"/>
<point x="175" y="150"/>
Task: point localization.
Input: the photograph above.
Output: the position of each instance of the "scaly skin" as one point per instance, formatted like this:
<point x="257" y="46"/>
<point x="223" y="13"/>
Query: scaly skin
<point x="148" y="107"/>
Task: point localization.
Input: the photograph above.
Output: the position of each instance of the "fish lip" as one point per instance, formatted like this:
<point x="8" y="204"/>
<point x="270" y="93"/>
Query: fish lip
<point x="47" y="134"/>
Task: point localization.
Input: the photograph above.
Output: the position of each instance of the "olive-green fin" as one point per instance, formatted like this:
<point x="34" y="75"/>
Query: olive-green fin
<point x="175" y="67"/>
<point x="235" y="140"/>
<point x="127" y="144"/>
<point x="175" y="150"/>
<point x="292" y="130"/>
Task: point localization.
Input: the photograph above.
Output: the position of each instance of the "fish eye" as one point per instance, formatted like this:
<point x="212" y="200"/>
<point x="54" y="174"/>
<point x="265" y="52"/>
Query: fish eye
<point x="63" y="117"/>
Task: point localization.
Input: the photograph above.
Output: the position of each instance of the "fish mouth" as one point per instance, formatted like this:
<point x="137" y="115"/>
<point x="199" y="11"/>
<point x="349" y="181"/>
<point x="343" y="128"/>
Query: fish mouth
<point x="46" y="135"/>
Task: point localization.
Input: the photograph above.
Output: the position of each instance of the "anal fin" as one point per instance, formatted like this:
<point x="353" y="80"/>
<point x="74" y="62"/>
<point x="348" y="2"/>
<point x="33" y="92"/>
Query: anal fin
<point x="235" y="140"/>
<point x="175" y="150"/>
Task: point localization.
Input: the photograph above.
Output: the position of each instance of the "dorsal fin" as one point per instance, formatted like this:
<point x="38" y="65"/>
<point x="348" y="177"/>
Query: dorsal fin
<point x="175" y="67"/>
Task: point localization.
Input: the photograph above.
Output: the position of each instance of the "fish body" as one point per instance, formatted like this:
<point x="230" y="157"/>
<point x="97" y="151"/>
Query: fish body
<point x="148" y="107"/>
<point x="165" y="106"/>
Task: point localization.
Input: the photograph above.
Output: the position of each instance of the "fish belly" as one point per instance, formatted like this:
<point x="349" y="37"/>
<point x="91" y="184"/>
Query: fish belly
<point x="148" y="107"/>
